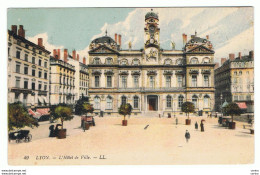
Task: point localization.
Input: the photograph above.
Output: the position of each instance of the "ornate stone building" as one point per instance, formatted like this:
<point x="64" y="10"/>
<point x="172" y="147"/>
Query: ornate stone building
<point x="153" y="80"/>
<point x="234" y="81"/>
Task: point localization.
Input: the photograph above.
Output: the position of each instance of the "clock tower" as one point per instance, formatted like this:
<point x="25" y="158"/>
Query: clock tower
<point x="151" y="36"/>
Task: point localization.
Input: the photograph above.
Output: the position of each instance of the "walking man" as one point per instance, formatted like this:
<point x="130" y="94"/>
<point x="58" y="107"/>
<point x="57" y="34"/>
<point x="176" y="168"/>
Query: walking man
<point x="187" y="136"/>
<point x="202" y="126"/>
<point x="176" y="121"/>
<point x="196" y="126"/>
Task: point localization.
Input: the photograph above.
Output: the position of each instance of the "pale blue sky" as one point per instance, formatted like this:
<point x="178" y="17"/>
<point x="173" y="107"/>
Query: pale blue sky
<point x="72" y="28"/>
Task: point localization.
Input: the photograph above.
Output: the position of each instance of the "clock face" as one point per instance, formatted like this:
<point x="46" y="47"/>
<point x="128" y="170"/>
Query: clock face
<point x="152" y="40"/>
<point x="151" y="29"/>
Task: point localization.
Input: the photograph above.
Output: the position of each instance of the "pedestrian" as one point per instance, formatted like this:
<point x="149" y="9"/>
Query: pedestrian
<point x="82" y="121"/>
<point x="52" y="132"/>
<point x="196" y="125"/>
<point x="202" y="126"/>
<point x="84" y="125"/>
<point x="176" y="121"/>
<point x="187" y="136"/>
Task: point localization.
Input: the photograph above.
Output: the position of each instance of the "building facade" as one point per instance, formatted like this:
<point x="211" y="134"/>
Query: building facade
<point x="81" y="75"/>
<point x="153" y="80"/>
<point x="234" y="81"/>
<point x="28" y="70"/>
<point x="62" y="79"/>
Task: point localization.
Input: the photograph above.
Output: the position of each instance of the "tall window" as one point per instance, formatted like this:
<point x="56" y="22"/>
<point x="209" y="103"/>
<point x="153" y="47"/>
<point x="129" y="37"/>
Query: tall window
<point x="169" y="101"/>
<point x="45" y="87"/>
<point x="39" y="86"/>
<point x="17" y="68"/>
<point x="109" y="102"/>
<point x="97" y="103"/>
<point x="25" y="84"/>
<point x="33" y="86"/>
<point x="124" y="81"/>
<point x="109" y="81"/>
<point x="152" y="82"/>
<point x="33" y="60"/>
<point x="136" y="102"/>
<point x="40" y="62"/>
<point x="194" y="80"/>
<point x="96" y="81"/>
<point x="168" y="81"/>
<point x="18" y="54"/>
<point x="25" y="70"/>
<point x="180" y="101"/>
<point x="16" y="97"/>
<point x="25" y="57"/>
<point x="206" y="81"/>
<point x="25" y="98"/>
<point x="195" y="100"/>
<point x="136" y="81"/>
<point x="206" y="101"/>
<point x="45" y="64"/>
<point x="17" y="82"/>
<point x="45" y="75"/>
<point x="123" y="100"/>
<point x="179" y="81"/>
<point x="40" y="74"/>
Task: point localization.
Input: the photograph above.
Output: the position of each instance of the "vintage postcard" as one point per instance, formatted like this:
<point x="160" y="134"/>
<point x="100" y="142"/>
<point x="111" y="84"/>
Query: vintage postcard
<point x="130" y="86"/>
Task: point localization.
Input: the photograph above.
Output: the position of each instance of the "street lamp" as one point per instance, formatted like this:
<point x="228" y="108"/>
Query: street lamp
<point x="174" y="109"/>
<point x="221" y="97"/>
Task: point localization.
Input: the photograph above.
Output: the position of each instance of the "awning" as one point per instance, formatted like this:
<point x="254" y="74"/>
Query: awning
<point x="34" y="114"/>
<point x="43" y="111"/>
<point x="31" y="112"/>
<point x="242" y="105"/>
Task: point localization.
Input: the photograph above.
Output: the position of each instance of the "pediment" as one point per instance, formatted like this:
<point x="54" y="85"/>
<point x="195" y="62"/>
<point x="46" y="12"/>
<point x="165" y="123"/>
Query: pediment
<point x="103" y="49"/>
<point x="200" y="49"/>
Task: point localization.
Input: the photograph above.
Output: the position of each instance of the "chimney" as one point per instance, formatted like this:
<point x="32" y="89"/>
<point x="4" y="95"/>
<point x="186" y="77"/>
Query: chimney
<point x="223" y="61"/>
<point x="232" y="57"/>
<point x="54" y="53"/>
<point x="116" y="37"/>
<point x="14" y="29"/>
<point x="58" y="54"/>
<point x="184" y="36"/>
<point x="216" y="66"/>
<point x="74" y="54"/>
<point x="40" y="42"/>
<point x="65" y="55"/>
<point x="119" y="40"/>
<point x="21" y="31"/>
<point x="207" y="37"/>
<point x="77" y="57"/>
<point x="84" y="60"/>
<point x="240" y="55"/>
<point x="251" y="54"/>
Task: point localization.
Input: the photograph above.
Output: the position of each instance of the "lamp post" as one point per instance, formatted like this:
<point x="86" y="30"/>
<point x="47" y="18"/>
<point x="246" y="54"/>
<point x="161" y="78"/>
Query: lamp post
<point x="221" y="97"/>
<point x="174" y="109"/>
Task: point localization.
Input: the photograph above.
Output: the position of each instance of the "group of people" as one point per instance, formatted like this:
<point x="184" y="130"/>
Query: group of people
<point x="187" y="134"/>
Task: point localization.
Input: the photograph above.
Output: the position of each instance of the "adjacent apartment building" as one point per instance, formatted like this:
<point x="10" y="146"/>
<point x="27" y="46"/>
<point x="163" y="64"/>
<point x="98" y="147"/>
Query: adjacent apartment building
<point x="28" y="70"/>
<point x="234" y="81"/>
<point x="155" y="81"/>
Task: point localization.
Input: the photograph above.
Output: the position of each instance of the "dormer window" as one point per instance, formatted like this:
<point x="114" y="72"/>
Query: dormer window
<point x="96" y="61"/>
<point x="194" y="61"/>
<point x="109" y="60"/>
<point x="167" y="62"/>
<point x="135" y="62"/>
<point x="124" y="62"/>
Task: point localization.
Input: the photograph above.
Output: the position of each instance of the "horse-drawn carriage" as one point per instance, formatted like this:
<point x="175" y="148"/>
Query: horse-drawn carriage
<point x="21" y="135"/>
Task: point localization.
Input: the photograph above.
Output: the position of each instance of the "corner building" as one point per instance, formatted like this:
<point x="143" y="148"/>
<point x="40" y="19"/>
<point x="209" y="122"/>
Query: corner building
<point x="153" y="80"/>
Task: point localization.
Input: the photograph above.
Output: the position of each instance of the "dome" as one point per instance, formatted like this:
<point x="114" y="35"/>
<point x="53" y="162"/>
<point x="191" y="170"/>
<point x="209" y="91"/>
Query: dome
<point x="103" y="40"/>
<point x="151" y="14"/>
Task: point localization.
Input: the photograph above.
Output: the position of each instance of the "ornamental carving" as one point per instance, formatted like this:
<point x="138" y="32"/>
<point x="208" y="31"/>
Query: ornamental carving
<point x="205" y="71"/>
<point x="179" y="72"/>
<point x="109" y="72"/>
<point x="194" y="71"/>
<point x="151" y="72"/>
<point x="136" y="72"/>
<point x="96" y="72"/>
<point x="167" y="72"/>
<point x="123" y="72"/>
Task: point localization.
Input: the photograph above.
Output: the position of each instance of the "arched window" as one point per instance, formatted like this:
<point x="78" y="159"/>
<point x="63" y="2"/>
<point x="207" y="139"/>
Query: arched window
<point x="136" y="102"/>
<point x="135" y="62"/>
<point x="180" y="101"/>
<point x="179" y="61"/>
<point x="195" y="100"/>
<point x="109" y="61"/>
<point x="206" y="101"/>
<point x="194" y="60"/>
<point x="96" y="61"/>
<point x="168" y="101"/>
<point x="124" y="62"/>
<point x="206" y="60"/>
<point x="109" y="102"/>
<point x="96" y="102"/>
<point x="123" y="100"/>
<point x="168" y="61"/>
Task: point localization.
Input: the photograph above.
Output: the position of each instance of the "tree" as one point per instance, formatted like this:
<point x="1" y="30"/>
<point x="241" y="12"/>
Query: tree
<point x="79" y="105"/>
<point x="18" y="117"/>
<point x="125" y="109"/>
<point x="62" y="112"/>
<point x="188" y="107"/>
<point x="87" y="108"/>
<point x="232" y="109"/>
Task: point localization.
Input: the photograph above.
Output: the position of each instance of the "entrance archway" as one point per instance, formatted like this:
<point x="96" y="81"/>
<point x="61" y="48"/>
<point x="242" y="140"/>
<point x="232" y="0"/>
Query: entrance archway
<point x="152" y="101"/>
